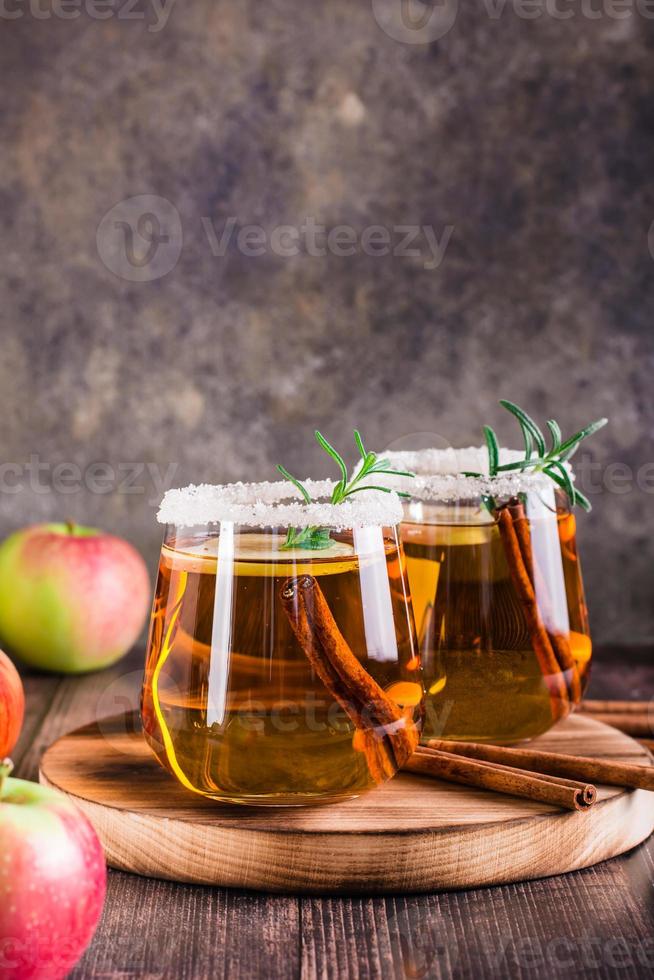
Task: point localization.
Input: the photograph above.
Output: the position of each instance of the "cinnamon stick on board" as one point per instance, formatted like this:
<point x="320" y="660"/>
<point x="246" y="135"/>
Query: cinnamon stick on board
<point x="618" y="707"/>
<point x="639" y="726"/>
<point x="608" y="772"/>
<point x="632" y="717"/>
<point x="558" y="791"/>
<point x="385" y="734"/>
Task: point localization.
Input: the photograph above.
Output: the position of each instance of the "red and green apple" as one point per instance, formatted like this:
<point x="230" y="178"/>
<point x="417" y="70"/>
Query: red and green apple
<point x="12" y="705"/>
<point x="72" y="599"/>
<point x="52" y="881"/>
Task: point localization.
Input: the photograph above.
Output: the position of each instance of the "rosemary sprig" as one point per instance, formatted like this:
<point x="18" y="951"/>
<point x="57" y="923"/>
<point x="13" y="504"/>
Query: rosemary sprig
<point x="316" y="538"/>
<point x="549" y="460"/>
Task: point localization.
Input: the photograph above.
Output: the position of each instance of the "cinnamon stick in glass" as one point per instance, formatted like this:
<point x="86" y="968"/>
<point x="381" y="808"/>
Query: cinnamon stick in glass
<point x="519" y="555"/>
<point x="609" y="772"/>
<point x="541" y="642"/>
<point x="557" y="791"/>
<point x="385" y="734"/>
<point x="559" y="641"/>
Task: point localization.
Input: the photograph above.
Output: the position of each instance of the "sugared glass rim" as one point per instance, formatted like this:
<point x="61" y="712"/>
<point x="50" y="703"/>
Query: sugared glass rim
<point x="440" y="474"/>
<point x="277" y="504"/>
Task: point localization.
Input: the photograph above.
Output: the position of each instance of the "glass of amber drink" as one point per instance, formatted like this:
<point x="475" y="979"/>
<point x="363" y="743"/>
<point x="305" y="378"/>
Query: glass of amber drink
<point x="282" y="664"/>
<point x="497" y="595"/>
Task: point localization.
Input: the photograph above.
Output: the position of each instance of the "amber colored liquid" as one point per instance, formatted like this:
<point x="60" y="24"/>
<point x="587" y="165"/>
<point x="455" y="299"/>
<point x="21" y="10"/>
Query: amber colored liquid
<point x="482" y="677"/>
<point x="231" y="704"/>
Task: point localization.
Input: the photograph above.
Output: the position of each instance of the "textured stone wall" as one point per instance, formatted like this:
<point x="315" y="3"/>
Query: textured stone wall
<point x="523" y="145"/>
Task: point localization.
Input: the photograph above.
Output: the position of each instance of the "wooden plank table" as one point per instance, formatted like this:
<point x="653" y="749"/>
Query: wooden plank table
<point x="596" y="923"/>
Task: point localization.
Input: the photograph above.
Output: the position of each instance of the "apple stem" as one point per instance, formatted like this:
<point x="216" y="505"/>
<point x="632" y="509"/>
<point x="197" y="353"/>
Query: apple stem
<point x="71" y="526"/>
<point x="6" y="767"/>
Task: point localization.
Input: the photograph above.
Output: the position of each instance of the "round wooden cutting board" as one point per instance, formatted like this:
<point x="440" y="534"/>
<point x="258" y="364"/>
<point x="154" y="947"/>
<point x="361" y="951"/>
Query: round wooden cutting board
<point x="413" y="834"/>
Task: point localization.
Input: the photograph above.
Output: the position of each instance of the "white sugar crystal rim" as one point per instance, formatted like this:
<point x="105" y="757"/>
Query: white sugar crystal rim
<point x="277" y="504"/>
<point x="439" y="474"/>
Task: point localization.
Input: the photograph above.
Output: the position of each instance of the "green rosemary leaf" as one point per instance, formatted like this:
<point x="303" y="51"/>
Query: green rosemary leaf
<point x="287" y="476"/>
<point x="557" y="479"/>
<point x="528" y="423"/>
<point x="469" y="473"/>
<point x="493" y="450"/>
<point x="568" y="453"/>
<point x="363" y="471"/>
<point x="535" y="463"/>
<point x="551" y="462"/>
<point x="311" y="538"/>
<point x="564" y="480"/>
<point x="583" y="501"/>
<point x="570" y="446"/>
<point x="391" y="472"/>
<point x="338" y="492"/>
<point x="322" y="442"/>
<point x="318" y="539"/>
<point x="529" y="442"/>
<point x="294" y="537"/>
<point x="368" y="486"/>
<point x="575" y="496"/>
<point x="315" y="538"/>
<point x="489" y="503"/>
<point x="555" y="434"/>
<point x="384" y="466"/>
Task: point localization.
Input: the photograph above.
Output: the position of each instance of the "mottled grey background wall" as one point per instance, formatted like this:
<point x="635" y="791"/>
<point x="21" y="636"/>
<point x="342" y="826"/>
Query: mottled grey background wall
<point x="531" y="136"/>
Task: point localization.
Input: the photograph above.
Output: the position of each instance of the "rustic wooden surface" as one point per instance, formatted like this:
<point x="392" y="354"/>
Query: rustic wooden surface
<point x="596" y="923"/>
<point x="414" y="834"/>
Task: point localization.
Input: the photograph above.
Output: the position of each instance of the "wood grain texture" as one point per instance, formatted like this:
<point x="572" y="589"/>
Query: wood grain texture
<point x="162" y="931"/>
<point x="595" y="924"/>
<point x="586" y="924"/>
<point x="413" y="834"/>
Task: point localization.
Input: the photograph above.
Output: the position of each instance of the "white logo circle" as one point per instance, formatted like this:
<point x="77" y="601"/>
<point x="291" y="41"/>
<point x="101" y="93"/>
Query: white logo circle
<point x="118" y="710"/>
<point x="415" y="441"/>
<point x="140" y="239"/>
<point x="415" y="21"/>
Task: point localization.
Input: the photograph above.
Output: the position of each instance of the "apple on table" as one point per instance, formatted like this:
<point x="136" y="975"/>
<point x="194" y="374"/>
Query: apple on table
<point x="72" y="599"/>
<point x="12" y="705"/>
<point x="52" y="869"/>
<point x="52" y="881"/>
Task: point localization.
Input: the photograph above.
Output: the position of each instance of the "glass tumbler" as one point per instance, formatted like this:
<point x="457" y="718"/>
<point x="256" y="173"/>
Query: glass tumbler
<point x="282" y="664"/>
<point x="497" y="595"/>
